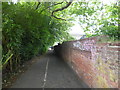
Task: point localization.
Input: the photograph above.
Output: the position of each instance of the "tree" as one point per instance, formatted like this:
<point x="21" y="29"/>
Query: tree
<point x="98" y="19"/>
<point x="29" y="30"/>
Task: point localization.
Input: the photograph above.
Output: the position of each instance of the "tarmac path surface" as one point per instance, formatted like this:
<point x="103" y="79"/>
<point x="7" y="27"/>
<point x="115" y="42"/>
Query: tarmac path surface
<point x="49" y="72"/>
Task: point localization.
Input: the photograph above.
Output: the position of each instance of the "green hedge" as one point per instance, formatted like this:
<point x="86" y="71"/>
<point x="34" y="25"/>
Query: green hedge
<point x="27" y="32"/>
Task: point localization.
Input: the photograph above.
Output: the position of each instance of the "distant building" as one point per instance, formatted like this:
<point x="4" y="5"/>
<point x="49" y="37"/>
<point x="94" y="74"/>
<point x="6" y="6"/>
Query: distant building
<point x="77" y="36"/>
<point x="84" y="36"/>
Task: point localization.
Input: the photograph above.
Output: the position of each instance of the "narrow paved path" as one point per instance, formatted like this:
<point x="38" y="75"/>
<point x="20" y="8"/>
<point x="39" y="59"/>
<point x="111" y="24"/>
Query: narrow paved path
<point x="49" y="72"/>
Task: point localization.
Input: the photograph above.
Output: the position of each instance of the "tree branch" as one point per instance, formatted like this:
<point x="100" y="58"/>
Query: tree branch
<point x="37" y="5"/>
<point x="58" y="17"/>
<point x="60" y="9"/>
<point x="51" y="6"/>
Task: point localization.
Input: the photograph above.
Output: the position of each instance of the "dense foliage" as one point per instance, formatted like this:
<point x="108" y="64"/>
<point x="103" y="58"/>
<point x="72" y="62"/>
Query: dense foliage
<point x="30" y="28"/>
<point x="28" y="32"/>
<point x="109" y="25"/>
<point x="97" y="18"/>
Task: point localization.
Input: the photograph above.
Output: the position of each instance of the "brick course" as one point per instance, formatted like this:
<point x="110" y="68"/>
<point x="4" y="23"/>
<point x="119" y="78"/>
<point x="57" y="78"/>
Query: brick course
<point x="95" y="63"/>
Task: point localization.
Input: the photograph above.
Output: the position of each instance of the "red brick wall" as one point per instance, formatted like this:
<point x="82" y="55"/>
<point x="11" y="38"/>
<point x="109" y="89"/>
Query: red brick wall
<point x="95" y="63"/>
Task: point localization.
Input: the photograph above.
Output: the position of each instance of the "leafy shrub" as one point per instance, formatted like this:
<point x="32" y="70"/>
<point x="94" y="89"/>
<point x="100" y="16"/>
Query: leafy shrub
<point x="27" y="32"/>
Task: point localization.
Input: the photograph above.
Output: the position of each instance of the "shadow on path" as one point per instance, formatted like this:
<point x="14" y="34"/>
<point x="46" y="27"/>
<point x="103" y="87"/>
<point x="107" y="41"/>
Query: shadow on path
<point x="49" y="72"/>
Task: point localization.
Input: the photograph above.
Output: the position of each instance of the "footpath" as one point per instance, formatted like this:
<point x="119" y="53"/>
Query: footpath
<point x="49" y="72"/>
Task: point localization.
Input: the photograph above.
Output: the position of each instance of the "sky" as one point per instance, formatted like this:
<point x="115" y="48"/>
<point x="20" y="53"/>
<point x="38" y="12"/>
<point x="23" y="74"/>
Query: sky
<point x="76" y="31"/>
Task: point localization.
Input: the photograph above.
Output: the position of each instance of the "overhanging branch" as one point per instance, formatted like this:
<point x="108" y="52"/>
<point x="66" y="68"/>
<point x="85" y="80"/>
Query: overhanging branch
<point x="60" y="9"/>
<point x="38" y="5"/>
<point x="51" y="6"/>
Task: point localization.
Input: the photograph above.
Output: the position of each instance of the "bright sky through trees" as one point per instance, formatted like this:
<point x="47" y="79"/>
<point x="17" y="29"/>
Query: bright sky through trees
<point x="76" y="30"/>
<point x="30" y="28"/>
